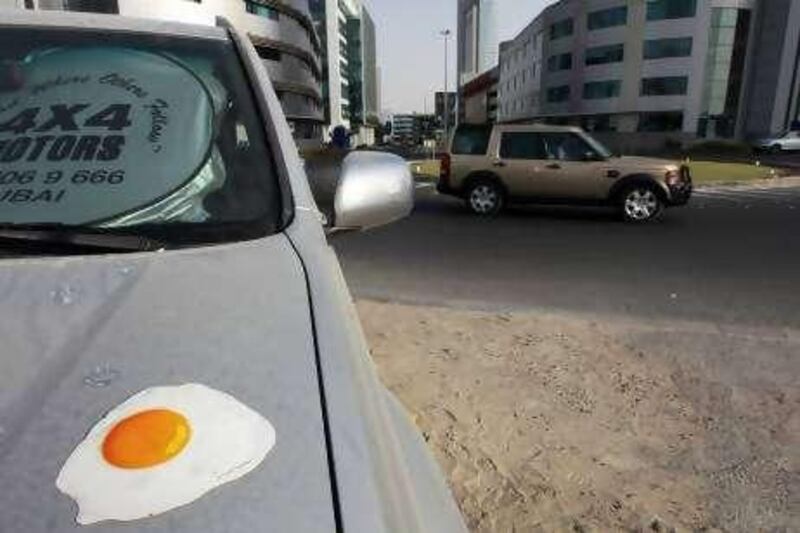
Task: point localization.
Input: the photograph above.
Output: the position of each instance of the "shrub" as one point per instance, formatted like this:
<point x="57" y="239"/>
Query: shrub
<point x="719" y="148"/>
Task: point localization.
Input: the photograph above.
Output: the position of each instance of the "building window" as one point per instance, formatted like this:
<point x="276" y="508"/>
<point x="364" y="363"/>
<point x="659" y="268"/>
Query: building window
<point x="558" y="94"/>
<point x="559" y="62"/>
<point x="667" y="86"/>
<point x="562" y="28"/>
<point x="668" y="121"/>
<point x="519" y="145"/>
<point x="607" y="18"/>
<point x="601" y="55"/>
<point x="662" y="48"/>
<point x="596" y="90"/>
<point x="599" y="123"/>
<point x="670" y="9"/>
<point x="261" y="10"/>
<point x="270" y="54"/>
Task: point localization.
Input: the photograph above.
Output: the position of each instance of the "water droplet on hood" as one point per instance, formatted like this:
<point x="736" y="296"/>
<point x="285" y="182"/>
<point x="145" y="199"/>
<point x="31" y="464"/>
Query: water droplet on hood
<point x="125" y="270"/>
<point x="65" y="295"/>
<point x="101" y="376"/>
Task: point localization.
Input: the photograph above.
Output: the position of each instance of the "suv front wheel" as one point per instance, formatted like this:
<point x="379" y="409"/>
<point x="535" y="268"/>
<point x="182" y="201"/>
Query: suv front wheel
<point x="641" y="203"/>
<point x="485" y="197"/>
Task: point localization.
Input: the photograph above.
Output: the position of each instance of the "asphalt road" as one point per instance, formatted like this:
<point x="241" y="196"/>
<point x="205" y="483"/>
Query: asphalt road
<point x="731" y="256"/>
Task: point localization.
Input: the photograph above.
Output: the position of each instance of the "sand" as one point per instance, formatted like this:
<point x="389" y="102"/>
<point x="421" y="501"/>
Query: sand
<point x="548" y="421"/>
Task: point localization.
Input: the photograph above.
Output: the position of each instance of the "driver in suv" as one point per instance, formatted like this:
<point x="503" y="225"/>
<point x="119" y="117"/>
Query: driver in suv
<point x="490" y="167"/>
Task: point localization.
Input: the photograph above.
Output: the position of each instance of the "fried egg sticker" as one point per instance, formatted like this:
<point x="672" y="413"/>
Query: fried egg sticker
<point x="161" y="449"/>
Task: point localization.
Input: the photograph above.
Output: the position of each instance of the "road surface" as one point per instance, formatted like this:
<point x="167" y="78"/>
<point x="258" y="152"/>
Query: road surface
<point x="731" y="256"/>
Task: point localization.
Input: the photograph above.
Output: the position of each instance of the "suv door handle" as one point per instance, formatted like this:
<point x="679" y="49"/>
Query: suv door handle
<point x="553" y="166"/>
<point x="498" y="163"/>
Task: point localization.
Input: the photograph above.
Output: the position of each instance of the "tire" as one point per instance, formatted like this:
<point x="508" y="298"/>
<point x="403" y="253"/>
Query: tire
<point x="485" y="197"/>
<point x="641" y="203"/>
<point x="775" y="149"/>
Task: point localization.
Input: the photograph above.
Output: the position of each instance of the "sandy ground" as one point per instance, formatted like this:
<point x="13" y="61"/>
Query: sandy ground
<point x="557" y="422"/>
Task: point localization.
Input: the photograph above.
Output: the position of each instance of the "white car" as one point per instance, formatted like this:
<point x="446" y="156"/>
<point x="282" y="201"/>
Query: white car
<point x="180" y="350"/>
<point x="786" y="142"/>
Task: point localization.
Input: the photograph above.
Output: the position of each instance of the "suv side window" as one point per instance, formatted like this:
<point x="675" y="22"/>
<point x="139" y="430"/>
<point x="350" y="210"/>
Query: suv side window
<point x="471" y="140"/>
<point x="568" y="147"/>
<point x="522" y="145"/>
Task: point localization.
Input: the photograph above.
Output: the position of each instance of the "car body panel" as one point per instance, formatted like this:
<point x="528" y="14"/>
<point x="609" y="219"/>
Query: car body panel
<point x="359" y="465"/>
<point x="115" y="23"/>
<point x="381" y="484"/>
<point x="548" y="178"/>
<point x="83" y="334"/>
<point x="381" y="461"/>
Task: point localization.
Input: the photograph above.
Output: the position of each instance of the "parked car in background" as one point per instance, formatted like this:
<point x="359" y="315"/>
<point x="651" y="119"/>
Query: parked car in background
<point x="785" y="142"/>
<point x="493" y="166"/>
<point x="158" y="234"/>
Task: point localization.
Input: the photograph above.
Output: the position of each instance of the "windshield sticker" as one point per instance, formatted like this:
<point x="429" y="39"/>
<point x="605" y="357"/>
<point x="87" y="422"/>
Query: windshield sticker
<point x="90" y="134"/>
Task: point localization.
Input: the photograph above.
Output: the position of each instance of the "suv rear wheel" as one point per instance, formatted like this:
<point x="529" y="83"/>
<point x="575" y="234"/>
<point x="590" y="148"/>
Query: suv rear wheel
<point x="485" y="197"/>
<point x="641" y="203"/>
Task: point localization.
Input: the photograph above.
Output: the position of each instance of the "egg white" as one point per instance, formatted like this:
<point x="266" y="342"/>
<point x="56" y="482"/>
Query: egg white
<point x="228" y="440"/>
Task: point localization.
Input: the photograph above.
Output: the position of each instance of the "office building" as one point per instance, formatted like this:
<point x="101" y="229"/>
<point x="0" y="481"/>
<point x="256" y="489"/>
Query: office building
<point x="349" y="56"/>
<point x="706" y="68"/>
<point x="282" y="32"/>
<point x="479" y="98"/>
<point x="476" y="38"/>
<point x="771" y="99"/>
<point x="415" y="128"/>
<point x="476" y="43"/>
<point x="370" y="67"/>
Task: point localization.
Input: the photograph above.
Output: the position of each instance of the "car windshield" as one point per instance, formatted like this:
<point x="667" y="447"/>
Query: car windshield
<point x="135" y="134"/>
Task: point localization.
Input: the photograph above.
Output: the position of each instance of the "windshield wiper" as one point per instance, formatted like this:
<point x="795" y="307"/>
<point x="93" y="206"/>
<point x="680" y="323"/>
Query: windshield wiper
<point x="67" y="237"/>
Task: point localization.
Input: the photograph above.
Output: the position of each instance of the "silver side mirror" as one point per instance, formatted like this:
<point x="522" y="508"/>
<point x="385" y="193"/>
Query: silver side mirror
<point x="374" y="189"/>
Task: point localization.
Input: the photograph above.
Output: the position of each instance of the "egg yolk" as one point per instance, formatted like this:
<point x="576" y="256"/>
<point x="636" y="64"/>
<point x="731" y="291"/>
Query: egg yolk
<point x="146" y="439"/>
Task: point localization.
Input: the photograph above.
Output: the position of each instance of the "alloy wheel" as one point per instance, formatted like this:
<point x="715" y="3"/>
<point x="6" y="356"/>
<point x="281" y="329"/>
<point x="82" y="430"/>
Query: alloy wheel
<point x="484" y="199"/>
<point x="641" y="204"/>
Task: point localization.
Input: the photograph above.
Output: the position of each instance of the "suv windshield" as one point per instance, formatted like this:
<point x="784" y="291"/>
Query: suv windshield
<point x="132" y="134"/>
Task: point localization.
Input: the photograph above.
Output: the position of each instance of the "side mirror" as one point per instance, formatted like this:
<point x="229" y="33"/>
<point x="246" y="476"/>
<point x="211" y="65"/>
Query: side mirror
<point x="374" y="189"/>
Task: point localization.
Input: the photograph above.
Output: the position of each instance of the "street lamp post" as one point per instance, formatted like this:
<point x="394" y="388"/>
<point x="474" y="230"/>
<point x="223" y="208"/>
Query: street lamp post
<point x="446" y="35"/>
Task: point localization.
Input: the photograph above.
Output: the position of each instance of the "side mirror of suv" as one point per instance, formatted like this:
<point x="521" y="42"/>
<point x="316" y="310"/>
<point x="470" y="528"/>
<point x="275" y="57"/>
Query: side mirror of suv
<point x="374" y="189"/>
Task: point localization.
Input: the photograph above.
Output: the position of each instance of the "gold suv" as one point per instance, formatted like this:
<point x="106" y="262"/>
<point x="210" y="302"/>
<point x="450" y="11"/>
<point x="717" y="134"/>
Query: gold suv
<point x="492" y="166"/>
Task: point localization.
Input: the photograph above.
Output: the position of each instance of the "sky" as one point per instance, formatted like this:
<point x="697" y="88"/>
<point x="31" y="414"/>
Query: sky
<point x="411" y="49"/>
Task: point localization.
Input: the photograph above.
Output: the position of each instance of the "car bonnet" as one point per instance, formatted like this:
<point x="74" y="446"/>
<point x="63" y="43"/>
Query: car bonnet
<point x="83" y="334"/>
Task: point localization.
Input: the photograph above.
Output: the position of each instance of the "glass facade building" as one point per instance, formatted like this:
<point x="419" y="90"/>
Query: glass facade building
<point x="707" y="68"/>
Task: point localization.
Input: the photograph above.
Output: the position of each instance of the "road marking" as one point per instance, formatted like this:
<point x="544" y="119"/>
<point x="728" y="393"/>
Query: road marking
<point x="740" y="195"/>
